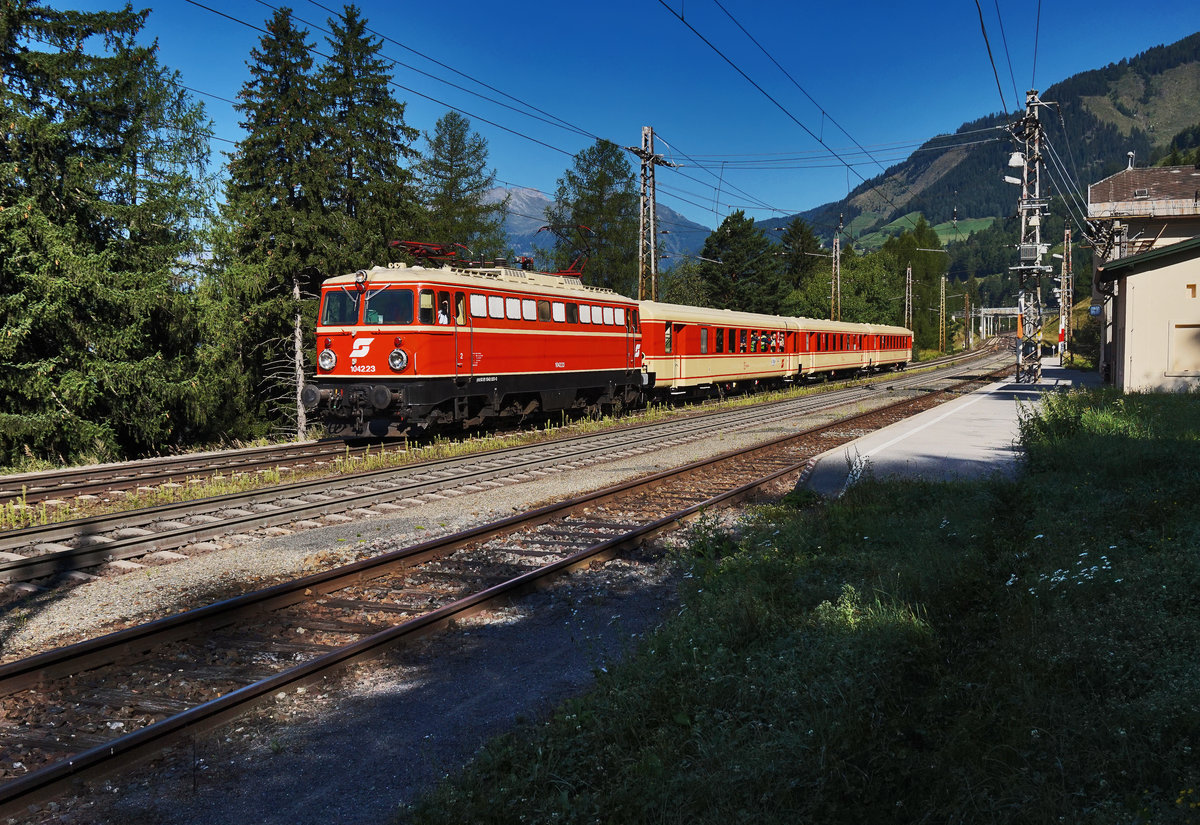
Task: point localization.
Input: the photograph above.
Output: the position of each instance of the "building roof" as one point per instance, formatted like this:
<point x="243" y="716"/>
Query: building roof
<point x="1156" y="183"/>
<point x="1146" y="261"/>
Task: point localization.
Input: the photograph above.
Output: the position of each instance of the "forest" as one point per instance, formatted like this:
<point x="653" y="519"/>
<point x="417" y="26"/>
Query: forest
<point x="155" y="298"/>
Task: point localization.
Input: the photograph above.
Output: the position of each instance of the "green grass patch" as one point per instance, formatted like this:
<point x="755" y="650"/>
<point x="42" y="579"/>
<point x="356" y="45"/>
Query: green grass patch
<point x="971" y="652"/>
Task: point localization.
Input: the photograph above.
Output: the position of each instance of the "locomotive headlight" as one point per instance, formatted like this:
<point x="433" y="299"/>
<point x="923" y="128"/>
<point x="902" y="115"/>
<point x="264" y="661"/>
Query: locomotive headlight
<point x="326" y="360"/>
<point x="398" y="359"/>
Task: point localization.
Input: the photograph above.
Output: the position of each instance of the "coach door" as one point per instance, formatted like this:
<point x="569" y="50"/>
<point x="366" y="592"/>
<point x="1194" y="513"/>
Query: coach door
<point x="464" y="341"/>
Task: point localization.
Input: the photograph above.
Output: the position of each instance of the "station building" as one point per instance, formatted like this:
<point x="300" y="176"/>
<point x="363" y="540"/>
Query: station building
<point x="1146" y="283"/>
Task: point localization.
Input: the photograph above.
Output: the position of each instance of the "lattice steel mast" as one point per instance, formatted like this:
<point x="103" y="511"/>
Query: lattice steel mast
<point x="1029" y="269"/>
<point x="648" y="224"/>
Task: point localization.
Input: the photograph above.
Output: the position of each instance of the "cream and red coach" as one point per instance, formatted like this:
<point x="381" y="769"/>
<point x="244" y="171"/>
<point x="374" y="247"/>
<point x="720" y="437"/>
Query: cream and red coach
<point x="696" y="351"/>
<point x="402" y="345"/>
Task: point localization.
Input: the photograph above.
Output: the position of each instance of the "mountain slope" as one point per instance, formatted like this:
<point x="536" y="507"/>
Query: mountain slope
<point x="1097" y="117"/>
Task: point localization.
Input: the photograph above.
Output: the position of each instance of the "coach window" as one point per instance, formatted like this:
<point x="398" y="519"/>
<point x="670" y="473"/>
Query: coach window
<point x="529" y="309"/>
<point x="720" y="339"/>
<point x="704" y="340"/>
<point x="753" y="340"/>
<point x="460" y="308"/>
<point x="495" y="306"/>
<point x="667" y="338"/>
<point x="558" y="311"/>
<point x="585" y="314"/>
<point x="543" y="311"/>
<point x="478" y="305"/>
<point x="742" y="341"/>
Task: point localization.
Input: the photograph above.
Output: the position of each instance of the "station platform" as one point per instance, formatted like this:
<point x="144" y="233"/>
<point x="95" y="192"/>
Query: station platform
<point x="974" y="436"/>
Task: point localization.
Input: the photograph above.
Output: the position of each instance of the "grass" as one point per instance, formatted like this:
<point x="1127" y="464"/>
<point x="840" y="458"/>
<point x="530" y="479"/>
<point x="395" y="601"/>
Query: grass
<point x="999" y="652"/>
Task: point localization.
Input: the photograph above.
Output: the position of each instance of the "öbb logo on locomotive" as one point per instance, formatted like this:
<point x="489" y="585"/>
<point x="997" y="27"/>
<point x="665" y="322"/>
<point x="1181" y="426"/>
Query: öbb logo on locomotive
<point x="529" y="325"/>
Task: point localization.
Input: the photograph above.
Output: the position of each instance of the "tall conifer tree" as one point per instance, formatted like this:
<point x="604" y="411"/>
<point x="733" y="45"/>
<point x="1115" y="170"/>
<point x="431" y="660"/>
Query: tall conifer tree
<point x="599" y="191"/>
<point x="102" y="181"/>
<point x="271" y="240"/>
<point x="367" y="148"/>
<point x="454" y="180"/>
<point x="749" y="275"/>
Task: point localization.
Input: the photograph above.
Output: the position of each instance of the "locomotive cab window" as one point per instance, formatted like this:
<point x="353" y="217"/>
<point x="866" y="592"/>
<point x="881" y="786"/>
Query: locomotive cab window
<point x="340" y="308"/>
<point x="443" y="308"/>
<point x="634" y="323"/>
<point x="460" y="308"/>
<point x="389" y="306"/>
<point x="426" y="311"/>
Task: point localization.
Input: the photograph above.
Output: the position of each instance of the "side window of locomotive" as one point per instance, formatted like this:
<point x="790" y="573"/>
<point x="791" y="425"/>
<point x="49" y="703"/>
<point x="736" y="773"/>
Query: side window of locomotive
<point x="426" y="311"/>
<point x="634" y="321"/>
<point x="543" y="311"/>
<point x="460" y="308"/>
<point x="559" y="311"/>
<point x="495" y="306"/>
<point x="389" y="306"/>
<point x="720" y="339"/>
<point x="478" y="305"/>
<point x="572" y="315"/>
<point x="512" y="308"/>
<point x="529" y="309"/>
<point x="340" y="308"/>
<point x="598" y="316"/>
<point x="443" y="308"/>
<point x="619" y="316"/>
<point x="667" y="338"/>
<point x="585" y="314"/>
<point x="609" y="318"/>
<point x="704" y="340"/>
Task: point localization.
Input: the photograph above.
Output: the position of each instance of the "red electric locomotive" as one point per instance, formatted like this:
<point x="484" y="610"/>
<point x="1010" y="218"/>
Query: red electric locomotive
<point x="418" y="346"/>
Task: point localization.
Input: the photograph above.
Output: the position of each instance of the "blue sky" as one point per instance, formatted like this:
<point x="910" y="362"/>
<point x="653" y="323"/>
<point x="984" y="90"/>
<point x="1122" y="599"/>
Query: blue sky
<point x="892" y="75"/>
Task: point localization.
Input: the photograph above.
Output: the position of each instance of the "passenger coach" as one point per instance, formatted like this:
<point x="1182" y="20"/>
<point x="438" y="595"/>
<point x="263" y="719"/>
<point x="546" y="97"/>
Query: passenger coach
<point x="697" y="351"/>
<point x="404" y="345"/>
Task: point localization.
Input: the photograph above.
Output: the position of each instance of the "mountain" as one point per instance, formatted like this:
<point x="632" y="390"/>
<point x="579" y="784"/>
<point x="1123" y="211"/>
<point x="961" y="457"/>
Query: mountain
<point x="526" y="214"/>
<point x="1094" y="120"/>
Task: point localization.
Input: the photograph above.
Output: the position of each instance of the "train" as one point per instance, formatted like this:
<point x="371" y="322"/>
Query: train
<point x="408" y="348"/>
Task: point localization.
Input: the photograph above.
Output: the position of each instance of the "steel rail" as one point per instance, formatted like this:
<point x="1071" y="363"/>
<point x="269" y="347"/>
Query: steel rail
<point x="438" y="476"/>
<point x="148" y="740"/>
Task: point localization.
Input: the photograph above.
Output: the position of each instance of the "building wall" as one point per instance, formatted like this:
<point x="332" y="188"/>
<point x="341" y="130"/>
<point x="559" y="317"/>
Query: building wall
<point x="1157" y="321"/>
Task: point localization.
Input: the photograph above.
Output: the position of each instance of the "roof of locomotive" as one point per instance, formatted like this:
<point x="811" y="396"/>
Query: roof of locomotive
<point x="658" y="311"/>
<point x="519" y="280"/>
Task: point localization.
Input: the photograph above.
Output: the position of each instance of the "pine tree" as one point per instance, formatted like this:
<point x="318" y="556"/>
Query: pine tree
<point x="912" y="246"/>
<point x="371" y="197"/>
<point x="804" y="262"/>
<point x="454" y="181"/>
<point x="102" y="185"/>
<point x="599" y="191"/>
<point x="271" y="241"/>
<point x="743" y="269"/>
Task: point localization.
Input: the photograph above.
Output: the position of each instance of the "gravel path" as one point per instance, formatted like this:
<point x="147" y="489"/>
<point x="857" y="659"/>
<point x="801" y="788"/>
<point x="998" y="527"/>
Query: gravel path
<point x="359" y="752"/>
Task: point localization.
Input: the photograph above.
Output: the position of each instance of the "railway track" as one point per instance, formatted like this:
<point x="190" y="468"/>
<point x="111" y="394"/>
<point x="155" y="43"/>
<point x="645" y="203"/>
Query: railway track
<point x="65" y="487"/>
<point x="59" y="554"/>
<point x="97" y="705"/>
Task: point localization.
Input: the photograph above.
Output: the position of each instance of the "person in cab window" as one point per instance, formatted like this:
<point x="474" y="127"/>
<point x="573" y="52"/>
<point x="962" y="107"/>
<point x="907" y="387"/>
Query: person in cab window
<point x="444" y="313"/>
